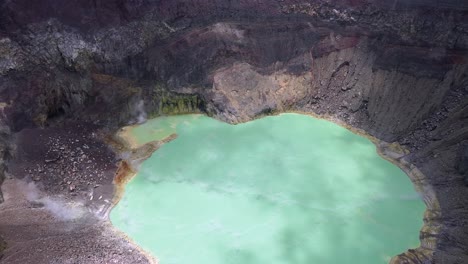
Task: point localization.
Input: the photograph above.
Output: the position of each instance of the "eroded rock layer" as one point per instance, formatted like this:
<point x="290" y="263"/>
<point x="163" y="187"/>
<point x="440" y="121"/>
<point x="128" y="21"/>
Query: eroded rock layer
<point x="397" y="70"/>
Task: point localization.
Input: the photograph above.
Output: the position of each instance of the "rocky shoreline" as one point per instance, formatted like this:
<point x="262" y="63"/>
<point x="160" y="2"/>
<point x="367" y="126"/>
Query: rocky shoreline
<point x="127" y="168"/>
<point x="392" y="152"/>
<point x="69" y="177"/>
<point x="57" y="199"/>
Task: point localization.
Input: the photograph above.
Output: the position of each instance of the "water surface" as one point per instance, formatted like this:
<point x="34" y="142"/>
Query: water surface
<point x="287" y="189"/>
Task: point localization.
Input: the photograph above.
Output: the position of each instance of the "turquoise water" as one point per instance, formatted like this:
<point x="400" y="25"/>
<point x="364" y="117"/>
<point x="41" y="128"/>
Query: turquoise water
<point x="286" y="189"/>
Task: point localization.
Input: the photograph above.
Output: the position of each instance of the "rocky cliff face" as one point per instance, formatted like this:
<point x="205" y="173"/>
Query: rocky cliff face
<point x="397" y="70"/>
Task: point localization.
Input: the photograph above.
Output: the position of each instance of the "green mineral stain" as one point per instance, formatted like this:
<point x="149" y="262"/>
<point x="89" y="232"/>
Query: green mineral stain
<point x="287" y="189"/>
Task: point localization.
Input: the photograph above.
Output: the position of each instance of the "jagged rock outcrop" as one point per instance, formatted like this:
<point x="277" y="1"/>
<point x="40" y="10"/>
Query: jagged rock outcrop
<point x="395" y="69"/>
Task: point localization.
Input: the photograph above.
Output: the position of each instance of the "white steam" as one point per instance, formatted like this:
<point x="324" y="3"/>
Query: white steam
<point x="59" y="209"/>
<point x="140" y="112"/>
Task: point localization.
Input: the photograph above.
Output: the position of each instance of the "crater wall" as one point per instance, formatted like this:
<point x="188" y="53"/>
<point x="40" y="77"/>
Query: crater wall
<point x="395" y="70"/>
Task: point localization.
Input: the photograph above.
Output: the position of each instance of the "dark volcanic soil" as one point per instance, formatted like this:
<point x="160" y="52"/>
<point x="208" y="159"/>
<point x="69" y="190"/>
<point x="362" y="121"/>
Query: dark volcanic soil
<point x="35" y="233"/>
<point x="59" y="196"/>
<point x="72" y="158"/>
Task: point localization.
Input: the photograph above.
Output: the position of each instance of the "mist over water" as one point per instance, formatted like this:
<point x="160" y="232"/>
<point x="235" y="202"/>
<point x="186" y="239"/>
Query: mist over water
<point x="285" y="189"/>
